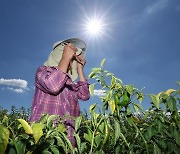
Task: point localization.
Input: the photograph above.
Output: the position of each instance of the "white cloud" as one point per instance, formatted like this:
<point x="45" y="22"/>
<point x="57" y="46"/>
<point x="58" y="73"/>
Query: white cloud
<point x="15" y="85"/>
<point x="99" y="92"/>
<point x="14" y="82"/>
<point x="17" y="90"/>
<point x="159" y="5"/>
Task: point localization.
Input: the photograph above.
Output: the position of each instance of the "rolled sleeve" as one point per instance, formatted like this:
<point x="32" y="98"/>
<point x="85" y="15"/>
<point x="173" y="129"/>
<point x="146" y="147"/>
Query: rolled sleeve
<point x="83" y="90"/>
<point x="50" y="79"/>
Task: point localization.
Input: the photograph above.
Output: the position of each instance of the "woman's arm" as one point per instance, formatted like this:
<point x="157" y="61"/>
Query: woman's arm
<point x="50" y="79"/>
<point x="83" y="85"/>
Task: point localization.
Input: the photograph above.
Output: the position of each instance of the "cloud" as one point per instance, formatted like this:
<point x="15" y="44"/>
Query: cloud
<point x="99" y="92"/>
<point x="15" y="85"/>
<point x="159" y="5"/>
<point x="17" y="90"/>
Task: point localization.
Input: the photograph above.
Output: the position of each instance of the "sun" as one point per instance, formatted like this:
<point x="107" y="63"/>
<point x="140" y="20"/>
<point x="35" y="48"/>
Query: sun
<point x="94" y="27"/>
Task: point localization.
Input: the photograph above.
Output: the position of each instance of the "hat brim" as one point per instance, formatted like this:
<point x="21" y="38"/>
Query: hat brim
<point x="76" y="41"/>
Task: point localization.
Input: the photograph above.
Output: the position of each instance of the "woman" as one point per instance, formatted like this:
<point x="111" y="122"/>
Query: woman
<point x="56" y="92"/>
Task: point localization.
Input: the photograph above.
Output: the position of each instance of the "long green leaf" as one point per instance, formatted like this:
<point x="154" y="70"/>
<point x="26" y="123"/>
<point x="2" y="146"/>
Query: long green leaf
<point x="112" y="105"/>
<point x="91" y="89"/>
<point x="117" y="131"/>
<point x="4" y="138"/>
<point x="78" y="123"/>
<point x="102" y="62"/>
<point x="155" y="100"/>
<point x="78" y="141"/>
<point x="20" y="147"/>
<point x="26" y="126"/>
<point x="50" y="119"/>
<point x="37" y="131"/>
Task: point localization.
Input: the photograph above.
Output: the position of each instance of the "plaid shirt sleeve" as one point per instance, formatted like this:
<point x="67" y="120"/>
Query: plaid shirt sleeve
<point x="50" y="79"/>
<point x="83" y="90"/>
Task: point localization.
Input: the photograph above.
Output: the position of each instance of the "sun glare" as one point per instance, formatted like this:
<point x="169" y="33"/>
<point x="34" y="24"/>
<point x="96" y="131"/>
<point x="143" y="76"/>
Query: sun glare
<point x="94" y="27"/>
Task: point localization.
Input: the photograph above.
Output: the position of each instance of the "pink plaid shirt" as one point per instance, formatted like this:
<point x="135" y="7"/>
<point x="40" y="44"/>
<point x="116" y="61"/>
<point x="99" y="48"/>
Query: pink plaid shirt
<point x="56" y="93"/>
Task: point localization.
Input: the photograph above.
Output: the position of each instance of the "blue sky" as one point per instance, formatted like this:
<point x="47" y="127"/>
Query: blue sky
<point x="140" y="41"/>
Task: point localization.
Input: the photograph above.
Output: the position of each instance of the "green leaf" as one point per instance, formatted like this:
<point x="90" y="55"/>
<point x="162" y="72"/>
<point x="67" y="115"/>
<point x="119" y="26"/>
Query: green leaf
<point x="135" y="119"/>
<point x="162" y="143"/>
<point x="26" y="126"/>
<point x="91" y="75"/>
<point x="149" y="131"/>
<point x="67" y="141"/>
<point x="37" y="131"/>
<point x="129" y="112"/>
<point x="146" y="115"/>
<point x="156" y="149"/>
<point x="91" y="89"/>
<point x="177" y="136"/>
<point x="90" y="135"/>
<point x="46" y="152"/>
<point x="106" y="132"/>
<point x="50" y="119"/>
<point x="101" y="127"/>
<point x="169" y="91"/>
<point x="5" y="120"/>
<point x="61" y="128"/>
<point x="12" y="150"/>
<point x="83" y="148"/>
<point x="54" y="149"/>
<point x="29" y="152"/>
<point x="96" y="69"/>
<point x="161" y="119"/>
<point x="113" y="82"/>
<point x="98" y="140"/>
<point x="102" y="62"/>
<point x="130" y="121"/>
<point x="159" y="125"/>
<point x="117" y="149"/>
<point x="92" y="108"/>
<point x="130" y="89"/>
<point x="60" y="142"/>
<point x="109" y="74"/>
<point x="126" y="99"/>
<point x="124" y="139"/>
<point x="178" y="83"/>
<point x="137" y="107"/>
<point x="155" y="100"/>
<point x="78" y="123"/>
<point x="20" y="147"/>
<point x="4" y="138"/>
<point x="78" y="141"/>
<point x="117" y="131"/>
<point x="87" y="137"/>
<point x="112" y="105"/>
<point x="109" y="95"/>
<point x="170" y="147"/>
<point x="139" y="96"/>
<point x="43" y="119"/>
<point x="171" y="104"/>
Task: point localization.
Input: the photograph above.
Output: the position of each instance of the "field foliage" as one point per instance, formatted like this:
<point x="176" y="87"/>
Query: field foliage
<point x="120" y="125"/>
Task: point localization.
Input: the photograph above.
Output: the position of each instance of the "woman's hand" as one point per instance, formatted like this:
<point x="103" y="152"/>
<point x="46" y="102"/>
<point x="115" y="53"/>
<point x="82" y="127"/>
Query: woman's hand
<point x="81" y="62"/>
<point x="69" y="51"/>
<point x="68" y="54"/>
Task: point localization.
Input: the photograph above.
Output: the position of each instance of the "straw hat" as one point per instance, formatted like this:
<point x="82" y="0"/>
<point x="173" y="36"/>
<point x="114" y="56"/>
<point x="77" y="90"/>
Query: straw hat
<point x="56" y="55"/>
